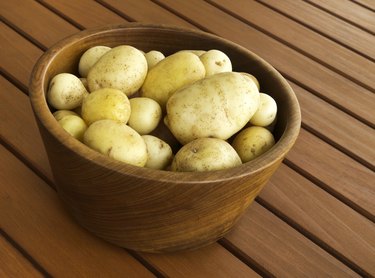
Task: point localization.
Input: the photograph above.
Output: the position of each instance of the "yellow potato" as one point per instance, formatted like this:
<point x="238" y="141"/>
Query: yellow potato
<point x="153" y="57"/>
<point x="170" y="74"/>
<point x="253" y="142"/>
<point x="215" y="61"/>
<point x="266" y="112"/>
<point x="253" y="78"/>
<point x="118" y="141"/>
<point x="123" y="67"/>
<point x="106" y="103"/>
<point x="66" y="91"/>
<point x="90" y="57"/>
<point x="217" y="106"/>
<point x="205" y="154"/>
<point x="74" y="125"/>
<point x="159" y="153"/>
<point x="59" y="114"/>
<point x="145" y="114"/>
<point x="196" y="52"/>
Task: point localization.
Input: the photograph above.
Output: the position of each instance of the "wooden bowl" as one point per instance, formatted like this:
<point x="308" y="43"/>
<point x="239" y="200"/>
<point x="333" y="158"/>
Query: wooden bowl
<point x="153" y="210"/>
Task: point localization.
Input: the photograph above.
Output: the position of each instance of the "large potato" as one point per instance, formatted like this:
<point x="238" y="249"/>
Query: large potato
<point x="252" y="142"/>
<point x="205" y="154"/>
<point x="266" y="113"/>
<point x="217" y="106"/>
<point x="118" y="141"/>
<point x="106" y="103"/>
<point x="66" y="91"/>
<point x="159" y="153"/>
<point x="123" y="67"/>
<point x="145" y="114"/>
<point x="215" y="61"/>
<point x="90" y="57"/>
<point x="170" y="74"/>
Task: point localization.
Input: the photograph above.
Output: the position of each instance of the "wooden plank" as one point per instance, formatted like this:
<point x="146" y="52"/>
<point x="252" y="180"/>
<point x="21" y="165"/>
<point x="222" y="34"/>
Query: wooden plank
<point x="86" y="13"/>
<point x="340" y="175"/>
<point x="281" y="250"/>
<point x="327" y="52"/>
<point x="32" y="214"/>
<point x="326" y="24"/>
<point x="13" y="263"/>
<point x="321" y="80"/>
<point x="47" y="29"/>
<point x="349" y="11"/>
<point x="337" y="127"/>
<point x="211" y="261"/>
<point x="17" y="55"/>
<point x="338" y="227"/>
<point x="369" y="4"/>
<point x="146" y="11"/>
<point x="18" y="127"/>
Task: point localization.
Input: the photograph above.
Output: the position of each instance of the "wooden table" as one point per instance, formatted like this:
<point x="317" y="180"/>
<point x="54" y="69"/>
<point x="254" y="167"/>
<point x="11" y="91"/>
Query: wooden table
<point x="315" y="217"/>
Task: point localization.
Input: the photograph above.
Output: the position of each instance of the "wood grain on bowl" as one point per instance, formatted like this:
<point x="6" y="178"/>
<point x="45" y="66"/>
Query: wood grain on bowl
<point x="145" y="209"/>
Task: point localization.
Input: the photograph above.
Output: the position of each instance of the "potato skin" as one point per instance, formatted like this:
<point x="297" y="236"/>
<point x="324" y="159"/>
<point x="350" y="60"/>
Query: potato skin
<point x="116" y="140"/>
<point x="90" y="57"/>
<point x="123" y="67"/>
<point x="215" y="61"/>
<point x="159" y="153"/>
<point x="153" y="57"/>
<point x="59" y="114"/>
<point x="170" y="74"/>
<point x="74" y="125"/>
<point x="106" y="103"/>
<point x="266" y="113"/>
<point x="217" y="106"/>
<point x="145" y="114"/>
<point x="66" y="91"/>
<point x="253" y="142"/>
<point x="205" y="154"/>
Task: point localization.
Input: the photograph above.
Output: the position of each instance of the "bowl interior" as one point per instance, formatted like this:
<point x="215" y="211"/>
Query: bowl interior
<point x="64" y="57"/>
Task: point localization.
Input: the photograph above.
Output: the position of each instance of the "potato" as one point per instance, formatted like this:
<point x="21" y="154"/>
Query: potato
<point x="66" y="91"/>
<point x="123" y="67"/>
<point x="252" y="142"/>
<point x="205" y="154"/>
<point x="84" y="82"/>
<point x="217" y="106"/>
<point x="145" y="114"/>
<point x="90" y="57"/>
<point x="153" y="57"/>
<point x="170" y="74"/>
<point x="215" y="61"/>
<point x="159" y="153"/>
<point x="59" y="114"/>
<point x="253" y="78"/>
<point x="106" y="103"/>
<point x="74" y="125"/>
<point x="118" y="141"/>
<point x="266" y="112"/>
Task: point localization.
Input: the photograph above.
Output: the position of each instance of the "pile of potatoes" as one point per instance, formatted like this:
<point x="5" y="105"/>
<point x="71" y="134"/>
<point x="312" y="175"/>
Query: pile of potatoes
<point x="124" y="97"/>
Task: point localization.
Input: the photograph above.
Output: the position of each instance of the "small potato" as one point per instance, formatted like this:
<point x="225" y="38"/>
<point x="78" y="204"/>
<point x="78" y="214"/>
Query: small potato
<point x="66" y="91"/>
<point x="106" y="103"/>
<point x="215" y="61"/>
<point x="90" y="57"/>
<point x="159" y="153"/>
<point x="59" y="114"/>
<point x="118" y="141"/>
<point x="266" y="112"/>
<point x="196" y="52"/>
<point x="123" y="67"/>
<point x="205" y="154"/>
<point x="145" y="114"/>
<point x="253" y="78"/>
<point x="252" y="142"/>
<point x="217" y="106"/>
<point x="170" y="74"/>
<point x="153" y="57"/>
<point x="74" y="125"/>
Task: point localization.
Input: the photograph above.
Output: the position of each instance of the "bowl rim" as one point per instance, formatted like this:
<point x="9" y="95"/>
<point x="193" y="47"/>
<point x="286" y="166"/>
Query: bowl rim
<point x="46" y="119"/>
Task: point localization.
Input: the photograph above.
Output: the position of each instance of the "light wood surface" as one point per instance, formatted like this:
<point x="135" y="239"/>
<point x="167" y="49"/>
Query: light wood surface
<point x="308" y="201"/>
